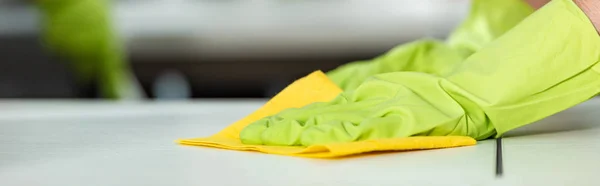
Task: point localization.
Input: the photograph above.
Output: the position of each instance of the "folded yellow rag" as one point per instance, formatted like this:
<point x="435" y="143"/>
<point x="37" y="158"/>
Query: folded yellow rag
<point x="316" y="87"/>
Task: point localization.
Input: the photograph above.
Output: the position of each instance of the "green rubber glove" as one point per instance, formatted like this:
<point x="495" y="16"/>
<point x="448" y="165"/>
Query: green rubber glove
<point x="546" y="64"/>
<point x="81" y="32"/>
<point x="487" y="20"/>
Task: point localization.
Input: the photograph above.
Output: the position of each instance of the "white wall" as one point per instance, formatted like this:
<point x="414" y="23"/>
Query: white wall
<point x="266" y="27"/>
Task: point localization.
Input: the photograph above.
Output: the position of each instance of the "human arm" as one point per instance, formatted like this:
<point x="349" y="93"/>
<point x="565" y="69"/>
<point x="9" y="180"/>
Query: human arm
<point x="592" y="9"/>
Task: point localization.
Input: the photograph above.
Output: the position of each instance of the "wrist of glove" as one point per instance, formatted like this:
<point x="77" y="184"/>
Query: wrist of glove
<point x="592" y="9"/>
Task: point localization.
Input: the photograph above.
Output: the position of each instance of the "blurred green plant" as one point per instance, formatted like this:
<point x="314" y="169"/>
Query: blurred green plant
<point x="81" y="32"/>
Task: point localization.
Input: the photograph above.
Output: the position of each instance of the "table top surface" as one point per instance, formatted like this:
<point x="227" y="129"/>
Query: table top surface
<point x="100" y="143"/>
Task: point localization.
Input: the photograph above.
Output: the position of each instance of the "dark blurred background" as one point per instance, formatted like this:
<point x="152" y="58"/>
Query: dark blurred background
<point x="223" y="48"/>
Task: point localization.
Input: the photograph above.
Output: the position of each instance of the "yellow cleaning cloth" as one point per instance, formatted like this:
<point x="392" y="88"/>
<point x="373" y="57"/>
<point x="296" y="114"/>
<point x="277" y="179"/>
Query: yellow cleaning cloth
<point x="316" y="87"/>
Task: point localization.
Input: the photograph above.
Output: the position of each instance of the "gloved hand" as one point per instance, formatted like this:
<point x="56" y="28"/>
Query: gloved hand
<point x="81" y="32"/>
<point x="487" y="20"/>
<point x="546" y="64"/>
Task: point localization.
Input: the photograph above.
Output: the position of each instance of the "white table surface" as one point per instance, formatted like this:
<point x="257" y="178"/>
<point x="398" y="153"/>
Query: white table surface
<point x="66" y="143"/>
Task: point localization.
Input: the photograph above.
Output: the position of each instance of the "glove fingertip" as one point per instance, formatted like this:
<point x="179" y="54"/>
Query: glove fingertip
<point x="252" y="133"/>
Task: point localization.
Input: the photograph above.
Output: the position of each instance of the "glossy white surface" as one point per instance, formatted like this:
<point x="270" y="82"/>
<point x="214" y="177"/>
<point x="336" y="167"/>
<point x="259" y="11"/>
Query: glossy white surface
<point x="561" y="150"/>
<point x="85" y="143"/>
